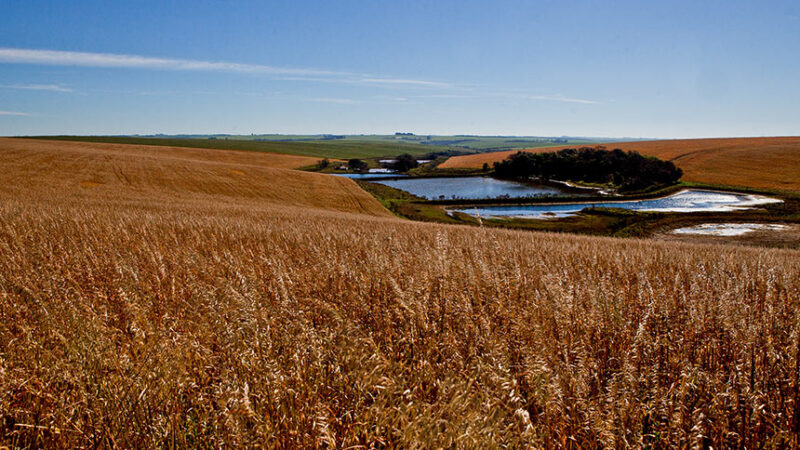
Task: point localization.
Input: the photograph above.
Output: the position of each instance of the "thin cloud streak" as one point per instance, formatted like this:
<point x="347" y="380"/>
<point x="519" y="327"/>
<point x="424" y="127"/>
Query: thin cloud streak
<point x="560" y="98"/>
<point x="447" y="96"/>
<point x="520" y="94"/>
<point x="379" y="82"/>
<point x="13" y="113"/>
<point x="398" y="81"/>
<point x="342" y="101"/>
<point x="64" y="58"/>
<point x="37" y="87"/>
<point x="388" y="98"/>
<point x="113" y="60"/>
<point x="515" y="96"/>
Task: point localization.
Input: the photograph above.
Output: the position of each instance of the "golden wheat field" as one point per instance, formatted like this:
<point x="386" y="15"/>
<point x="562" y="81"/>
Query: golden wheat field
<point x="78" y="172"/>
<point x="768" y="163"/>
<point x="161" y="298"/>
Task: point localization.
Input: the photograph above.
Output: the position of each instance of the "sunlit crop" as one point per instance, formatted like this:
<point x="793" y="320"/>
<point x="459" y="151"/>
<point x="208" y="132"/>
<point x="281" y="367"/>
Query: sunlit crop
<point x="241" y="310"/>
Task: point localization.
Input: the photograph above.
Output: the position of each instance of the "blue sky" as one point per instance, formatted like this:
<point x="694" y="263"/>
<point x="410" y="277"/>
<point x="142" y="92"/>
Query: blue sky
<point x="579" y="68"/>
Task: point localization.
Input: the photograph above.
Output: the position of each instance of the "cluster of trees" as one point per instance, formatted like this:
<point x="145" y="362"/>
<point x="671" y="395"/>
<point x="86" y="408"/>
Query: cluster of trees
<point x="627" y="170"/>
<point x="404" y="163"/>
<point x="443" y="153"/>
<point x="357" y="165"/>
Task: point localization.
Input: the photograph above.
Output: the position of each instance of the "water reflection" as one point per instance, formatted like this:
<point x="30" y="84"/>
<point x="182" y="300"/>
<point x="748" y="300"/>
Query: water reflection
<point x="690" y="200"/>
<point x="470" y="188"/>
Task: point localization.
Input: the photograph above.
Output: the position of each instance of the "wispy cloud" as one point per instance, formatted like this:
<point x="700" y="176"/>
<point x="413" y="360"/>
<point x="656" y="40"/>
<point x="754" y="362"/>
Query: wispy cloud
<point x="37" y="87"/>
<point x="514" y="95"/>
<point x="432" y="89"/>
<point x="402" y="82"/>
<point x="560" y="98"/>
<point x="113" y="60"/>
<point x="533" y="95"/>
<point x="389" y="98"/>
<point x="341" y="101"/>
<point x="63" y="58"/>
<point x="446" y="96"/>
<point x="13" y="113"/>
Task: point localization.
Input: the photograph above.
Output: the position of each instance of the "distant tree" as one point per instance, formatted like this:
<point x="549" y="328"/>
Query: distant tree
<point x="357" y="165"/>
<point x="404" y="163"/>
<point x="485" y="167"/>
<point x="323" y="163"/>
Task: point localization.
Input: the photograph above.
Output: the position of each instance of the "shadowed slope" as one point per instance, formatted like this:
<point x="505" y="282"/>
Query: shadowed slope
<point x="770" y="163"/>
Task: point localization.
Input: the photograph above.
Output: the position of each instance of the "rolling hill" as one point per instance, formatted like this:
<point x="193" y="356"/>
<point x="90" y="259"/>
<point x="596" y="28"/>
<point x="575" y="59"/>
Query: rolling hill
<point x="83" y="172"/>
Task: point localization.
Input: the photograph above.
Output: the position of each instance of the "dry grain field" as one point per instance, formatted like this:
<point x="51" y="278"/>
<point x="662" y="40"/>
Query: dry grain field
<point x="162" y="297"/>
<point x="767" y="163"/>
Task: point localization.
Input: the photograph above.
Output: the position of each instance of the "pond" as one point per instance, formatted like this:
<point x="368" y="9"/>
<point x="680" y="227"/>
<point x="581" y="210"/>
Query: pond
<point x="470" y="188"/>
<point x="359" y="176"/>
<point x="729" y="229"/>
<point x="686" y="201"/>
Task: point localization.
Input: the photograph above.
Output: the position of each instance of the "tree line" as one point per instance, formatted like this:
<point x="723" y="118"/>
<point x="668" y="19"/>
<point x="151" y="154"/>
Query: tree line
<point x="626" y="170"/>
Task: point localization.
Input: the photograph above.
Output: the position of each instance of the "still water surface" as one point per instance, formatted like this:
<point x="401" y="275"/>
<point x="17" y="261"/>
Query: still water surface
<point x="469" y="188"/>
<point x="689" y="200"/>
<point x="369" y="175"/>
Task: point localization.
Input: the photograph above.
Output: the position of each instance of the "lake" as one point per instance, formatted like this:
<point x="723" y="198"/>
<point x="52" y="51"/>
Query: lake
<point x="469" y="188"/>
<point x="689" y="200"/>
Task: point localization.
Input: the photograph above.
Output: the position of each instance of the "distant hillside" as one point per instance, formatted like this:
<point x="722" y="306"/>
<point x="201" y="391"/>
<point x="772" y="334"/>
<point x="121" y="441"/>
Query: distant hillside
<point x="321" y="148"/>
<point x="342" y="146"/>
